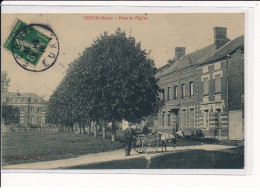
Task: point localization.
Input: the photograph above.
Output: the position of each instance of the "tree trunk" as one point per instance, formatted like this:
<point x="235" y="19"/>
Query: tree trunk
<point x="103" y="131"/>
<point x="113" y="132"/>
<point x="89" y="127"/>
<point x="80" y="127"/>
<point x="95" y="129"/>
<point x="73" y="127"/>
<point x="84" y="128"/>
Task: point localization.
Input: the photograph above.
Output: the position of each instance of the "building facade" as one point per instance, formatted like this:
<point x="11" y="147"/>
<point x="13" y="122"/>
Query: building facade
<point x="32" y="108"/>
<point x="204" y="90"/>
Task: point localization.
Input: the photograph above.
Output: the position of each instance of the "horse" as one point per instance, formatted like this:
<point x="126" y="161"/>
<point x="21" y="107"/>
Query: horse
<point x="170" y="138"/>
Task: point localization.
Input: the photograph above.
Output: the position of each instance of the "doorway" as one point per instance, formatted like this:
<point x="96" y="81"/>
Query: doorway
<point x="218" y="123"/>
<point x="176" y="115"/>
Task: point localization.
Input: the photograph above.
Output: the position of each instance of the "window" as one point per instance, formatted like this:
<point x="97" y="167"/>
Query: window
<point x="163" y="95"/>
<point x="184" y="118"/>
<point x="191" y="89"/>
<point x="205" y="86"/>
<point x="169" y="119"/>
<point x="183" y="93"/>
<point x="168" y="93"/>
<point x="162" y="119"/>
<point x="191" y="118"/>
<point x="217" y="84"/>
<point x="175" y="93"/>
<point x="206" y="119"/>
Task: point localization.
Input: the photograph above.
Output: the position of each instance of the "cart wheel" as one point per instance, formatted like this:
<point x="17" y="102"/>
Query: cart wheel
<point x="151" y="144"/>
<point x="154" y="145"/>
<point x="138" y="145"/>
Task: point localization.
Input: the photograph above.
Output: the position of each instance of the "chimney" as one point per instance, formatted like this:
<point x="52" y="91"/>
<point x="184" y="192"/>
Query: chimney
<point x="220" y="36"/>
<point x="179" y="52"/>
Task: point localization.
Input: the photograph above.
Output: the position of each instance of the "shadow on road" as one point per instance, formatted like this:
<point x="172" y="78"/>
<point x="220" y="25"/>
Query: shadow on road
<point x="190" y="159"/>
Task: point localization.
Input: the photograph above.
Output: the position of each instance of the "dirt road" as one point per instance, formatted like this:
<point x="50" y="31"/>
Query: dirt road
<point x="109" y="156"/>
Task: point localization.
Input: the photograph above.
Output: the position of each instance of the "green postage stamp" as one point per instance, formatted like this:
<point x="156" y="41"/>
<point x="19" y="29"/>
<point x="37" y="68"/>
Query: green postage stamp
<point x="29" y="45"/>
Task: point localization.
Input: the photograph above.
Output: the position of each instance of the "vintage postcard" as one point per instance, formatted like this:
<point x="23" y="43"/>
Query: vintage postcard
<point x="123" y="91"/>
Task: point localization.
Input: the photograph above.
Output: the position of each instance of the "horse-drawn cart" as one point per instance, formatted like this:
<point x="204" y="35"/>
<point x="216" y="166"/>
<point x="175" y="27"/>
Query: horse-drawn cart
<point x="151" y="142"/>
<point x="144" y="143"/>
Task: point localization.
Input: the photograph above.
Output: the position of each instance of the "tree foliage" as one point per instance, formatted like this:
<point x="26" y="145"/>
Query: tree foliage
<point x="113" y="79"/>
<point x="10" y="114"/>
<point x="5" y="81"/>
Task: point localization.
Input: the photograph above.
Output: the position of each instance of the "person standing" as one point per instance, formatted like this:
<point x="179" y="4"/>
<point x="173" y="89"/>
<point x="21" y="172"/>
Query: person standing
<point x="129" y="134"/>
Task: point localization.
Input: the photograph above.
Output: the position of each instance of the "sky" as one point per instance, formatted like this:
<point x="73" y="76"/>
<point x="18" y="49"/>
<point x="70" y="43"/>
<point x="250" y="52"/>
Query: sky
<point x="159" y="33"/>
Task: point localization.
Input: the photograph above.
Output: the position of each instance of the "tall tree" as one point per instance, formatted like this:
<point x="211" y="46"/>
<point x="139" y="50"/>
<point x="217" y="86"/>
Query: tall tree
<point x="5" y="81"/>
<point x="122" y="79"/>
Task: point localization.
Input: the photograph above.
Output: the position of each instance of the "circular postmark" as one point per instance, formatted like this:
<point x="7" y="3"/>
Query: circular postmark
<point x="35" y="47"/>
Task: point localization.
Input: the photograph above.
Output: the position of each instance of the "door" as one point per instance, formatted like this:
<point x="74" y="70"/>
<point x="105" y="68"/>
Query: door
<point x="235" y="125"/>
<point x="218" y="123"/>
<point x="176" y="115"/>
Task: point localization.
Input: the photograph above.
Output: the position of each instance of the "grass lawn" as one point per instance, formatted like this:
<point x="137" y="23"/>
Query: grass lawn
<point x="35" y="146"/>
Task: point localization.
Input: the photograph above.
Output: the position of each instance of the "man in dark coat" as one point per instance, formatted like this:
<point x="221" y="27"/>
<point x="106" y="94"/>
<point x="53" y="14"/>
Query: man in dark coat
<point x="145" y="130"/>
<point x="129" y="134"/>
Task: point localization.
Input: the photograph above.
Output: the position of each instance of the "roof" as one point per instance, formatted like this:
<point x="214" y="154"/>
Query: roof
<point x="227" y="49"/>
<point x="7" y="94"/>
<point x="30" y="95"/>
<point x="192" y="58"/>
<point x="206" y="55"/>
<point x="162" y="67"/>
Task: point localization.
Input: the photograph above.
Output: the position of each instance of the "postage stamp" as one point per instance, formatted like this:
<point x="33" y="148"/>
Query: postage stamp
<point x="34" y="47"/>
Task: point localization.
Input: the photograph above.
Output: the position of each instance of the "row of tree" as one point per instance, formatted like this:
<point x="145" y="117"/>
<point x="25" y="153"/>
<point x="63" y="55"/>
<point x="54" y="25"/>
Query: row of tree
<point x="114" y="79"/>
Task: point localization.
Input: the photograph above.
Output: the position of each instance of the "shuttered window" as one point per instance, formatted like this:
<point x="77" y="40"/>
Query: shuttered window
<point x="175" y="93"/>
<point x="191" y="89"/>
<point x="163" y="95"/>
<point x="168" y="93"/>
<point x="169" y="119"/>
<point x="206" y="119"/>
<point x="184" y="118"/>
<point x="218" y="84"/>
<point x="183" y="92"/>
<point x="163" y="120"/>
<point x="191" y="118"/>
<point x="205" y="86"/>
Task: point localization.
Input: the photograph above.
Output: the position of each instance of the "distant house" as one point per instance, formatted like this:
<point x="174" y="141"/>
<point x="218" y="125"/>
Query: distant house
<point x="32" y="107"/>
<point x="204" y="90"/>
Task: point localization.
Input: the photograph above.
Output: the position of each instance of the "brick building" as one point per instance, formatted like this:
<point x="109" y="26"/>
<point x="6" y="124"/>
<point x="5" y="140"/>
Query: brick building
<point x="32" y="107"/>
<point x="204" y="89"/>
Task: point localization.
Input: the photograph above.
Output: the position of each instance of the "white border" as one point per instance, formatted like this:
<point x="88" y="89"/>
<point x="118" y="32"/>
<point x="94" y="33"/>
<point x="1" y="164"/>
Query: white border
<point x="12" y="177"/>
